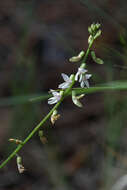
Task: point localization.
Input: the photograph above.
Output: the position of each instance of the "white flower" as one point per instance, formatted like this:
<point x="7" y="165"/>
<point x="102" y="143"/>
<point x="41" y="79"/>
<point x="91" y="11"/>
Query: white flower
<point x="56" y="97"/>
<point x="83" y="78"/>
<point x="80" y="72"/>
<point x="67" y="82"/>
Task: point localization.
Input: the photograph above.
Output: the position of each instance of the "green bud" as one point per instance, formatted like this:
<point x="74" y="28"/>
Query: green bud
<point x="81" y="54"/>
<point x="90" y="39"/>
<point x="19" y="160"/>
<point x="97" y="26"/>
<point x="94" y="31"/>
<point x="21" y="168"/>
<point x="75" y="99"/>
<point x="97" y="34"/>
<point x="55" y="112"/>
<point x="78" y="57"/>
<point x="89" y="30"/>
<point x="97" y="60"/>
<point x="61" y="92"/>
<point x="72" y="76"/>
<point x="40" y="133"/>
<point x="74" y="59"/>
<point x="83" y="65"/>
<point x="93" y="27"/>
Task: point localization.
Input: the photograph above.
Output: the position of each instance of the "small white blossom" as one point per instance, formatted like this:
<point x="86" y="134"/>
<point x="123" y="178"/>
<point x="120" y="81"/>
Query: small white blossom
<point x="67" y="82"/>
<point x="80" y="72"/>
<point x="56" y="97"/>
<point x="83" y="78"/>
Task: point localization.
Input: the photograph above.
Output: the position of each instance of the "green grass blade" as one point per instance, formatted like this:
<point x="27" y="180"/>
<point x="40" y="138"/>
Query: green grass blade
<point x="112" y="86"/>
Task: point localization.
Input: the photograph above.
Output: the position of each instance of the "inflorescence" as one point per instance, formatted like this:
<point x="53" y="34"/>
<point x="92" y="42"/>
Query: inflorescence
<point x="63" y="90"/>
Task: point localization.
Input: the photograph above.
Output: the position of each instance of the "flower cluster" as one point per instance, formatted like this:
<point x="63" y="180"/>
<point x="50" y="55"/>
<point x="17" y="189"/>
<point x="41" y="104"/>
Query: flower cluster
<point x="81" y="76"/>
<point x="94" y="31"/>
<point x="64" y="89"/>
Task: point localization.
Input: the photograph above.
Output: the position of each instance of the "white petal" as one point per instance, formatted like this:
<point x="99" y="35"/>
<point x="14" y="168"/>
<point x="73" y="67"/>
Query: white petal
<point x="86" y="83"/>
<point x="88" y="76"/>
<point x="85" y="70"/>
<point x="81" y="70"/>
<point x="82" y="84"/>
<point x="52" y="100"/>
<point x="81" y="77"/>
<point x="64" y="85"/>
<point x="65" y="77"/>
<point x="58" y="97"/>
<point x="55" y="93"/>
<point x="76" y="76"/>
<point x="61" y="85"/>
<point x="51" y="90"/>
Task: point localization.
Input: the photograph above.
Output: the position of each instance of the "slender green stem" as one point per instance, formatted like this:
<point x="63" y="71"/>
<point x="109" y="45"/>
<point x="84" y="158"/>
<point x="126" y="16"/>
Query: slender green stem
<point x="87" y="52"/>
<point x="30" y="135"/>
<point x="37" y="127"/>
<point x="67" y="91"/>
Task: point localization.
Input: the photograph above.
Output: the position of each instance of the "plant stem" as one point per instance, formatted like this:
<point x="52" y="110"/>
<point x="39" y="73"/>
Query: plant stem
<point x="30" y="135"/>
<point x="67" y="91"/>
<point x="37" y="127"/>
<point x="87" y="52"/>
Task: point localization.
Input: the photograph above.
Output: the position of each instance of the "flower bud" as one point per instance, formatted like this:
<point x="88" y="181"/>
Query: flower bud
<point x="89" y="30"/>
<point x="21" y="168"/>
<point x="76" y="100"/>
<point x="54" y="117"/>
<point x="43" y="139"/>
<point x="40" y="133"/>
<point x="97" y="26"/>
<point x="97" y="34"/>
<point x="78" y="57"/>
<point x="81" y="54"/>
<point x="61" y="93"/>
<point x="83" y="65"/>
<point x="93" y="27"/>
<point x="90" y="39"/>
<point x="16" y="141"/>
<point x="72" y="76"/>
<point x="94" y="31"/>
<point x="97" y="60"/>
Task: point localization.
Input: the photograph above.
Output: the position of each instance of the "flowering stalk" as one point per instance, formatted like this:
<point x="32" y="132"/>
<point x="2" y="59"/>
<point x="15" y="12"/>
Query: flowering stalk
<point x="57" y="98"/>
<point x="14" y="153"/>
<point x="30" y="135"/>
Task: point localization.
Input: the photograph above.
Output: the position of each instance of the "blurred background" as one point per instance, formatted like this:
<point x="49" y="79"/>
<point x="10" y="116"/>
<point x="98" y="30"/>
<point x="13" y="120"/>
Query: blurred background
<point x="86" y="147"/>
